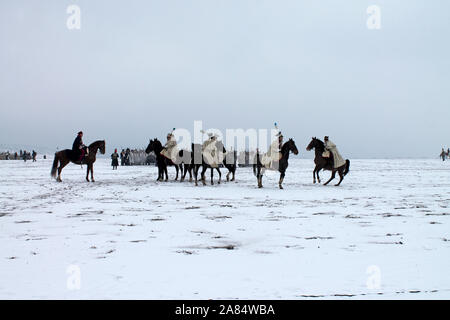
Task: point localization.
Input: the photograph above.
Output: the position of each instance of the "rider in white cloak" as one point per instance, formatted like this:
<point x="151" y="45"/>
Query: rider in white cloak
<point x="273" y="155"/>
<point x="170" y="150"/>
<point x="210" y="152"/>
<point x="330" y="147"/>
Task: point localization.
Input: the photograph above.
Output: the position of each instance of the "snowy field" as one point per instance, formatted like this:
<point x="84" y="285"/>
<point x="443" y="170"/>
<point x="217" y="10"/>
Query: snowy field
<point x="383" y="234"/>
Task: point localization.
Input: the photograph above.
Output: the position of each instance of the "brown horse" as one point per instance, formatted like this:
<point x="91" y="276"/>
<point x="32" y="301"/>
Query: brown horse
<point x="67" y="155"/>
<point x="326" y="163"/>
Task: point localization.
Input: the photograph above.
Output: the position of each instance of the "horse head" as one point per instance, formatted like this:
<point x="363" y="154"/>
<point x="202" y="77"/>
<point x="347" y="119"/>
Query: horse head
<point x="98" y="145"/>
<point x="314" y="144"/>
<point x="150" y="147"/>
<point x="290" y="145"/>
<point x="103" y="147"/>
<point x="154" y="145"/>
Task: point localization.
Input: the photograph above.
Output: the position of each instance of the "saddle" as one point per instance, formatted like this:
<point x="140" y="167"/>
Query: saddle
<point x="75" y="156"/>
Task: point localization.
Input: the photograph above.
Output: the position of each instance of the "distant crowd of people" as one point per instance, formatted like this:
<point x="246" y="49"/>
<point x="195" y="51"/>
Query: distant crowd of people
<point x="445" y="154"/>
<point x="131" y="157"/>
<point x="21" y="155"/>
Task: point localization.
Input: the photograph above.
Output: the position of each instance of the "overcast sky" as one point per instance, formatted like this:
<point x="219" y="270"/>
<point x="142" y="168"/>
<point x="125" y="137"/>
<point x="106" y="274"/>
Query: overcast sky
<point x="136" y="69"/>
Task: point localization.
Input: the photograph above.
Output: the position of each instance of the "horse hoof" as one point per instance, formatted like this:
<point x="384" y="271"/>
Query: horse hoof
<point x="281" y="187"/>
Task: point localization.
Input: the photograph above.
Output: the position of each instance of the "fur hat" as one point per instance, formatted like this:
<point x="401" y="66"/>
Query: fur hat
<point x="279" y="132"/>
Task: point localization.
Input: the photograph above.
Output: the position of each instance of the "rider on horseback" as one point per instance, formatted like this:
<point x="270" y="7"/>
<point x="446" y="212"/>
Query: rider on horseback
<point x="273" y="155"/>
<point x="210" y="151"/>
<point x="170" y="150"/>
<point x="330" y="147"/>
<point x="78" y="147"/>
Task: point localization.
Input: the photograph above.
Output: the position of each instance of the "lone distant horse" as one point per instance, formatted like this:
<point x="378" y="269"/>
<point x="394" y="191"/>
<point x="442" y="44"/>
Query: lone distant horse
<point x="282" y="164"/>
<point x="63" y="157"/>
<point x="161" y="161"/>
<point x="326" y="163"/>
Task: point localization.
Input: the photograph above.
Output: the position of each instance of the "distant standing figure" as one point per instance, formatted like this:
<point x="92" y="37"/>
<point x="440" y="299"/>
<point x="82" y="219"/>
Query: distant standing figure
<point x="127" y="157"/>
<point x="24" y="156"/>
<point x="115" y="159"/>
<point x="122" y="157"/>
<point x="34" y="154"/>
<point x="442" y="155"/>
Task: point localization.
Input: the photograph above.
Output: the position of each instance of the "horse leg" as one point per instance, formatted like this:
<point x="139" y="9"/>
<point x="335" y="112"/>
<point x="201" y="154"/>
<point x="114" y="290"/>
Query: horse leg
<point x="314" y="174"/>
<point x="159" y="173"/>
<point x="177" y="169"/>
<point x="61" y="166"/>
<point x="92" y="172"/>
<point x="212" y="176"/>
<point x="232" y="179"/>
<point x="228" y="176"/>
<point x="165" y="172"/>
<point x="87" y="173"/>
<point x="333" y="174"/>
<point x="196" y="167"/>
<point x="317" y="173"/>
<point x="341" y="177"/>
<point x="259" y="175"/>
<point x="190" y="173"/>
<point x="281" y="180"/>
<point x="183" y="172"/>
<point x="220" y="174"/>
<point x="203" y="175"/>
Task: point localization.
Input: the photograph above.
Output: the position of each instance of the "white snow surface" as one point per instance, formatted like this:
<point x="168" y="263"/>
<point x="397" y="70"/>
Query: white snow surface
<point x="383" y="234"/>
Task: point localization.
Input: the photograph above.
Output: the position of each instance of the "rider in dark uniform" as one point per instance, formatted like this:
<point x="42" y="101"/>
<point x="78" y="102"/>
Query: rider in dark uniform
<point x="78" y="147"/>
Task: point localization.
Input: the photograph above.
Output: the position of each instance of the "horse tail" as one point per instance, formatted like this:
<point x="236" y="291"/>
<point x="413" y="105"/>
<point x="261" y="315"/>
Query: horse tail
<point x="55" y="165"/>
<point x="347" y="166"/>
